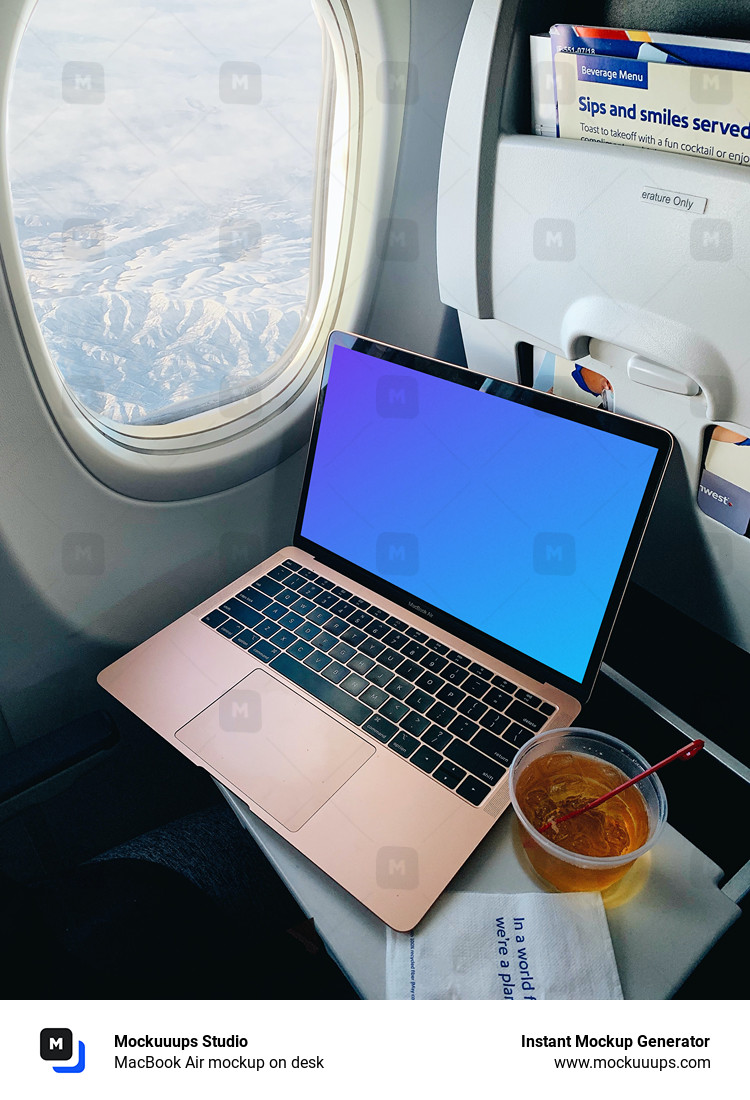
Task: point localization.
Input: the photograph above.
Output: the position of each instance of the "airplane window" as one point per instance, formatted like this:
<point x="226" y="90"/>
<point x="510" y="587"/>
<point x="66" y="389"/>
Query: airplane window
<point x="168" y="167"/>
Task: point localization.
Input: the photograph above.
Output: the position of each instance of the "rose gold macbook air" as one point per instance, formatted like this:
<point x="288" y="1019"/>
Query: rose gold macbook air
<point x="461" y="549"/>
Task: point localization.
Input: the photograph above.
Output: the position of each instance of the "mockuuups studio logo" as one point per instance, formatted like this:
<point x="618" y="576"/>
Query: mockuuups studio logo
<point x="555" y="553"/>
<point x="396" y="397"/>
<point x="397" y="553"/>
<point x="554" y="239"/>
<point x="56" y="1045"/>
<point x="397" y="868"/>
<point x="240" y="712"/>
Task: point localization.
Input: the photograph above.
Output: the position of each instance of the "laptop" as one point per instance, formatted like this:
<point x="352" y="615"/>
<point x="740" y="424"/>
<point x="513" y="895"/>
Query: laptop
<point x="460" y="553"/>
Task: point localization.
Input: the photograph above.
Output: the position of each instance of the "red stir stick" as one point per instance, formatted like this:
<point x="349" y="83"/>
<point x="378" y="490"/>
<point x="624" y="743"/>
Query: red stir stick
<point x="681" y="754"/>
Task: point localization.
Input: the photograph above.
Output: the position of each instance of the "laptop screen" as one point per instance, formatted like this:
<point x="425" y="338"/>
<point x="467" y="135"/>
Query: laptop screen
<point x="511" y="517"/>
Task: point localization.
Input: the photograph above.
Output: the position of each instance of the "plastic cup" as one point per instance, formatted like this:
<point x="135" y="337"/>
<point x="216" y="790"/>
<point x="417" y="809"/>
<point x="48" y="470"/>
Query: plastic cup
<point x="560" y="867"/>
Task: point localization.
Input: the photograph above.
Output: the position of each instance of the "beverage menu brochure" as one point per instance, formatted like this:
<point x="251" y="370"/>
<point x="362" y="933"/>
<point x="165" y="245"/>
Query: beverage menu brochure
<point x="676" y="93"/>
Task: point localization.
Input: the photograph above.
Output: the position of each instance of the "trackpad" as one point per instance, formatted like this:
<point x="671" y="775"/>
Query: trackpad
<point x="277" y="747"/>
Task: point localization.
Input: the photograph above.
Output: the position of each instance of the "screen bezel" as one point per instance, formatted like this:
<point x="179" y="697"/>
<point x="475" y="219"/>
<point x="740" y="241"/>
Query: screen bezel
<point x="658" y="438"/>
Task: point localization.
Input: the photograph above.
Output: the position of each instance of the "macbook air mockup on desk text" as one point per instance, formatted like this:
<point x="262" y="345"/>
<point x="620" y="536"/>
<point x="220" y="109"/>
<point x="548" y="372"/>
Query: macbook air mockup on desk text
<point x="461" y="549"/>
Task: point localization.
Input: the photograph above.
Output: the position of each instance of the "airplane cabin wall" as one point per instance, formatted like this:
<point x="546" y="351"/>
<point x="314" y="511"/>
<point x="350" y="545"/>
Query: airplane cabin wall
<point x="152" y="561"/>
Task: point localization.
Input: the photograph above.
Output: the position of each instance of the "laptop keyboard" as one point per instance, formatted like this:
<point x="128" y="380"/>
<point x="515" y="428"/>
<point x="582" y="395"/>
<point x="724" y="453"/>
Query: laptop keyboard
<point x="456" y="720"/>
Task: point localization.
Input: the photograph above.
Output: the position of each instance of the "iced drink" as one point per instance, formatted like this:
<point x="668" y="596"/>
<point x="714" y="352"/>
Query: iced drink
<point x="590" y="851"/>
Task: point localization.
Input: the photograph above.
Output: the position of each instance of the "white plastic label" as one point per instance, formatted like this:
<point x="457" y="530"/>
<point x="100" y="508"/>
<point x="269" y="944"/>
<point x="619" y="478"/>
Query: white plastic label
<point x="674" y="200"/>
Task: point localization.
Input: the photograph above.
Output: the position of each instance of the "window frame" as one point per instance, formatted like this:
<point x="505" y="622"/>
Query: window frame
<point x="221" y="447"/>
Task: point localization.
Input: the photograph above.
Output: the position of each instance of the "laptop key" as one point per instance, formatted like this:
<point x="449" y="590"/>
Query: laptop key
<point x="441" y="715"/>
<point x="414" y="651"/>
<point x="229" y="628"/>
<point x="289" y="564"/>
<point x="403" y="743"/>
<point x="310" y="590"/>
<point x="253" y="598"/>
<point x="307" y="631"/>
<point x="343" y="609"/>
<point x="449" y="774"/>
<point x="389" y="657"/>
<point x="410" y="670"/>
<point x="475" y="762"/>
<point x="400" y="688"/>
<point x="317" y="660"/>
<point x="324" y="582"/>
<point x="547" y="708"/>
<point x="275" y="610"/>
<point x="480" y="670"/>
<point x="434" y="662"/>
<point x="459" y="659"/>
<point x="417" y="635"/>
<point x="322" y="689"/>
<point x="472" y="708"/>
<point x="438" y="647"/>
<point x="397" y="623"/>
<point x="394" y="710"/>
<point x="517" y="735"/>
<point x="371" y="647"/>
<point x="415" y="723"/>
<point x="266" y="628"/>
<point x="436" y="738"/>
<point x="239" y="611"/>
<point x="279" y="573"/>
<point x="426" y="759"/>
<point x="291" y="620"/>
<point x="475" y="685"/>
<point x="326" y="599"/>
<point x="420" y="700"/>
<point x="285" y="598"/>
<point x="473" y="790"/>
<point x="353" y="636"/>
<point x="503" y="684"/>
<point x="214" y="619"/>
<point x="379" y="675"/>
<point x="395" y="639"/>
<point x="428" y="681"/>
<point x="376" y="629"/>
<point x="283" y="638"/>
<point x="300" y="650"/>
<point x="336" y="672"/>
<point x="494" y="747"/>
<point x="267" y="585"/>
<point x="377" y="612"/>
<point x="319" y="616"/>
<point x="245" y="639"/>
<point x="496" y="698"/>
<point x="373" y="697"/>
<point x="336" y="626"/>
<point x="451" y="695"/>
<point x="302" y="606"/>
<point x="454" y="674"/>
<point x="494" y="722"/>
<point x="360" y="663"/>
<point x="359" y="602"/>
<point x="360" y="619"/>
<point x="324" y="641"/>
<point x="308" y="574"/>
<point x="343" y="652"/>
<point x="294" y="581"/>
<point x="463" y="728"/>
<point x="528" y="697"/>
<point x="524" y="715"/>
<point x="342" y="593"/>
<point x="379" y="727"/>
<point x="266" y="652"/>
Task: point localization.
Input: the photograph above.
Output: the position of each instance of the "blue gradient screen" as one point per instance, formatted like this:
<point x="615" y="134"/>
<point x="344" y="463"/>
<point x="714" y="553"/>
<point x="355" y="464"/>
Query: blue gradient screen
<point x="511" y="519"/>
